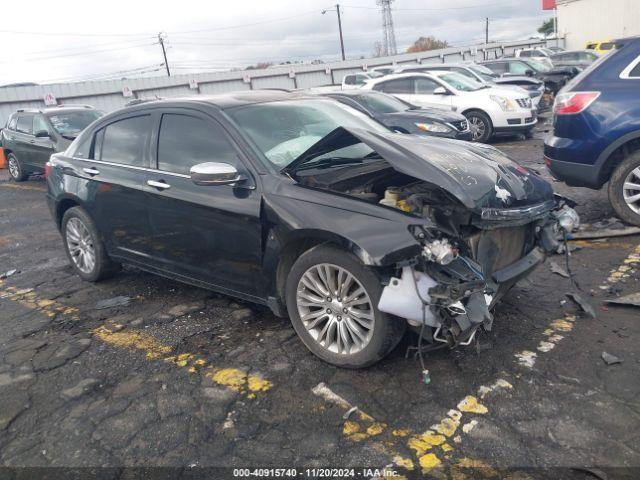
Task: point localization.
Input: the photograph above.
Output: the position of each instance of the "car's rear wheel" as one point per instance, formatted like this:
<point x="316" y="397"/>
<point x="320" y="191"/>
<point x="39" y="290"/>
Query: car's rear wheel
<point x="84" y="247"/>
<point x="332" y="300"/>
<point x="15" y="168"/>
<point x="624" y="189"/>
<point x="480" y="125"/>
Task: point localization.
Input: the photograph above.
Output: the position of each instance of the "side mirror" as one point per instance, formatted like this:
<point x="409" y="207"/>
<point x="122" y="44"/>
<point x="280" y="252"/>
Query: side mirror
<point x="214" y="173"/>
<point x="42" y="134"/>
<point x="440" y="91"/>
<point x="529" y="73"/>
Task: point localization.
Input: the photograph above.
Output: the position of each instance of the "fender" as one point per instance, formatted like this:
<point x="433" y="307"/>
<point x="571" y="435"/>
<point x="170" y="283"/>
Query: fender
<point x="605" y="156"/>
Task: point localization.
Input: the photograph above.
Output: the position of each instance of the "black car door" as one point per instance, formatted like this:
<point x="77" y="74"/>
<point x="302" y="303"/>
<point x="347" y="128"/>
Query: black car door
<point x="22" y="139"/>
<point x="114" y="172"/>
<point x="210" y="234"/>
<point x="42" y="146"/>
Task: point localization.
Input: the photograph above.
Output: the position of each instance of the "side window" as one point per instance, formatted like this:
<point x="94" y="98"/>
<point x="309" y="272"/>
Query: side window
<point x="83" y="149"/>
<point x="525" y="53"/>
<point x="185" y="141"/>
<point x="25" y="124"/>
<point x="425" y="86"/>
<point x="499" y="67"/>
<point x="350" y="80"/>
<point x="518" y="68"/>
<point x="11" y="124"/>
<point x="123" y="141"/>
<point x="39" y="124"/>
<point x="400" y="85"/>
<point x="635" y="73"/>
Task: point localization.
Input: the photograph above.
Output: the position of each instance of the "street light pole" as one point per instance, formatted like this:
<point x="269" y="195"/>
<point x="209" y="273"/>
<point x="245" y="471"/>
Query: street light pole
<point x="337" y="10"/>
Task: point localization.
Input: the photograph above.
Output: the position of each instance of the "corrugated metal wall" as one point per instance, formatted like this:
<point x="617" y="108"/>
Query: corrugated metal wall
<point x="582" y="21"/>
<point x="107" y="95"/>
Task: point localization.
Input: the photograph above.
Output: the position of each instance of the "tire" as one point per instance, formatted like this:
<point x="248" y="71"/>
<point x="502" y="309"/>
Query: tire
<point x="80" y="237"/>
<point x="623" y="199"/>
<point x="379" y="333"/>
<point x="16" y="170"/>
<point x="482" y="120"/>
<point x="528" y="134"/>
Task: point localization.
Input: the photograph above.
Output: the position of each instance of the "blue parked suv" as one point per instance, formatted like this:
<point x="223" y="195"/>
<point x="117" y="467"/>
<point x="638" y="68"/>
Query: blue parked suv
<point x="596" y="129"/>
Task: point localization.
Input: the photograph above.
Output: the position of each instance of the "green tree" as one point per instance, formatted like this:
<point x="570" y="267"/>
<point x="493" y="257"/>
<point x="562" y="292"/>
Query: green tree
<point x="427" y="43"/>
<point x="547" y="28"/>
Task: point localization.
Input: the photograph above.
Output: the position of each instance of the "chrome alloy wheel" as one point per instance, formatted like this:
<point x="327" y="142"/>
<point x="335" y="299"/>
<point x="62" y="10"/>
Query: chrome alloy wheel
<point x="335" y="309"/>
<point x="477" y="127"/>
<point x="14" y="169"/>
<point x="631" y="190"/>
<point x="80" y="245"/>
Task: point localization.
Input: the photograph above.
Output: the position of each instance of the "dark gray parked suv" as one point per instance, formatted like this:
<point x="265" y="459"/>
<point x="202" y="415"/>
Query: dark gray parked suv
<point x="31" y="136"/>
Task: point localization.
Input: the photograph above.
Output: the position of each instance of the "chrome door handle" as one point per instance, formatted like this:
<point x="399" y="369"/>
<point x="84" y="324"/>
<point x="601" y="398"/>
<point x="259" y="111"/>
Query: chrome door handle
<point x="91" y="171"/>
<point x="160" y="185"/>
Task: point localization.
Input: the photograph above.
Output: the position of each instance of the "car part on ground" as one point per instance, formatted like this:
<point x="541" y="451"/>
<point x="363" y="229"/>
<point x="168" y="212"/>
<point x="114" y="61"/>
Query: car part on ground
<point x="596" y="130"/>
<point x="327" y="210"/>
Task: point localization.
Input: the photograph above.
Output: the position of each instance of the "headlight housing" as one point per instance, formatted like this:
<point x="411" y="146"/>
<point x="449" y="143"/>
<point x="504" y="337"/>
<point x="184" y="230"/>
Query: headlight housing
<point x="505" y="104"/>
<point x="433" y="127"/>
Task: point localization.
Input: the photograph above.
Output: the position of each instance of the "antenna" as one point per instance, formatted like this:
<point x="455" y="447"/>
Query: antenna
<point x="388" y="34"/>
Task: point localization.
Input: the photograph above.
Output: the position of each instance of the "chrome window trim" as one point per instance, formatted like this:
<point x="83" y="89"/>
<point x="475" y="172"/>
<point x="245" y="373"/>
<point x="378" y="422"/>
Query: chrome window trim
<point x="627" y="71"/>
<point x="132" y="167"/>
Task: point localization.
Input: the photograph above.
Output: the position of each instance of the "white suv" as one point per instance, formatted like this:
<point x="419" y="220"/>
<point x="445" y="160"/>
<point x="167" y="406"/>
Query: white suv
<point x="490" y="110"/>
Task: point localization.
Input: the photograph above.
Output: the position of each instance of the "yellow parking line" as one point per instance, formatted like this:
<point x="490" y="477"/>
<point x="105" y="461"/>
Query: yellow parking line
<point x="232" y="378"/>
<point x="623" y="271"/>
<point x="23" y="187"/>
<point x="27" y="297"/>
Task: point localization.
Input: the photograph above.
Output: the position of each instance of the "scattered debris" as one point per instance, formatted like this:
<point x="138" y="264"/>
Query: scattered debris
<point x="321" y="390"/>
<point x="8" y="273"/>
<point x="632" y="299"/>
<point x="349" y="412"/>
<point x="555" y="268"/>
<point x="526" y="358"/>
<point x="582" y="303"/>
<point x="610" y="359"/>
<point x="426" y="377"/>
<point x="605" y="233"/>
<point x="242" y="314"/>
<point x="120" y="301"/>
<point x="185" y="309"/>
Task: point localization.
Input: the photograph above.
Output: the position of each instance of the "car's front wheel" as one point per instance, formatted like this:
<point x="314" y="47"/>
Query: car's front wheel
<point x="624" y="189"/>
<point x="480" y="125"/>
<point x="332" y="300"/>
<point x="84" y="247"/>
<point x="15" y="168"/>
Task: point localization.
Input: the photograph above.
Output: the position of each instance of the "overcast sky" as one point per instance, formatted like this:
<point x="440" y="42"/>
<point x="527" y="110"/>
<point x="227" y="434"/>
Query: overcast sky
<point x="47" y="42"/>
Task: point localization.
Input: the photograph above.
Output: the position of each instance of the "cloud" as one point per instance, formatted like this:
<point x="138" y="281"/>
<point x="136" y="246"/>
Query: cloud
<point x="109" y="42"/>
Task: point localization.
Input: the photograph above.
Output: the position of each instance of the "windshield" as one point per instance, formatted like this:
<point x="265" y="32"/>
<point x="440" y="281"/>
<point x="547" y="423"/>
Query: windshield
<point x="540" y="66"/>
<point x="375" y="74"/>
<point x="282" y="131"/>
<point x="460" y="82"/>
<point x="70" y="124"/>
<point x="381" y="103"/>
<point x="483" y="72"/>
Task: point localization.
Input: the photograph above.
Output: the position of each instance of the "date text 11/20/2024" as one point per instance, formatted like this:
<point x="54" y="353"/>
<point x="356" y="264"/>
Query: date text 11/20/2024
<point x="314" y="473"/>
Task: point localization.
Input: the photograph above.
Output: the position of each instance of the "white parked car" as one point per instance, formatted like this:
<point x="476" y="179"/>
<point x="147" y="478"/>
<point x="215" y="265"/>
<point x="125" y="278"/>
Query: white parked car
<point x="540" y="54"/>
<point x="356" y="80"/>
<point x="490" y="110"/>
<point x="383" y="69"/>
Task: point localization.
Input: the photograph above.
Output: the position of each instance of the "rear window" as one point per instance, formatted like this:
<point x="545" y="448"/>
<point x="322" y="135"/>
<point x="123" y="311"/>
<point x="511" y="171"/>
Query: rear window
<point x="123" y="141"/>
<point x="72" y="123"/>
<point x="607" y="46"/>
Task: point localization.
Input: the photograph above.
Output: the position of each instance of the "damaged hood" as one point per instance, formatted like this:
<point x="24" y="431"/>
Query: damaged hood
<point x="479" y="176"/>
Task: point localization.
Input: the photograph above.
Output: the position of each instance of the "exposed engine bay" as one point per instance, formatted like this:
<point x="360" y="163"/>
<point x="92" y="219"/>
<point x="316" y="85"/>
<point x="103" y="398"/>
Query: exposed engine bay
<point x="470" y="257"/>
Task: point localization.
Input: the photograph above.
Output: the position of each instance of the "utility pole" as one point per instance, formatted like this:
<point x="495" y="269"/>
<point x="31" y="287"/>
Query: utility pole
<point x="340" y="29"/>
<point x="486" y="31"/>
<point x="164" y="53"/>
<point x="337" y="10"/>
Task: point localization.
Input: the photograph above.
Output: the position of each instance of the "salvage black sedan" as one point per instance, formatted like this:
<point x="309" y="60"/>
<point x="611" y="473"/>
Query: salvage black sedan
<point x="309" y="207"/>
<point x="403" y="117"/>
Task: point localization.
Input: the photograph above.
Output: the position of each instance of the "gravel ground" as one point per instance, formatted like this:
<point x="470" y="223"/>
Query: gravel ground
<point x="192" y="381"/>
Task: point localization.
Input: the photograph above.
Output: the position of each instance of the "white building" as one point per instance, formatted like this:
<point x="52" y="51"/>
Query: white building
<point x="582" y="21"/>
